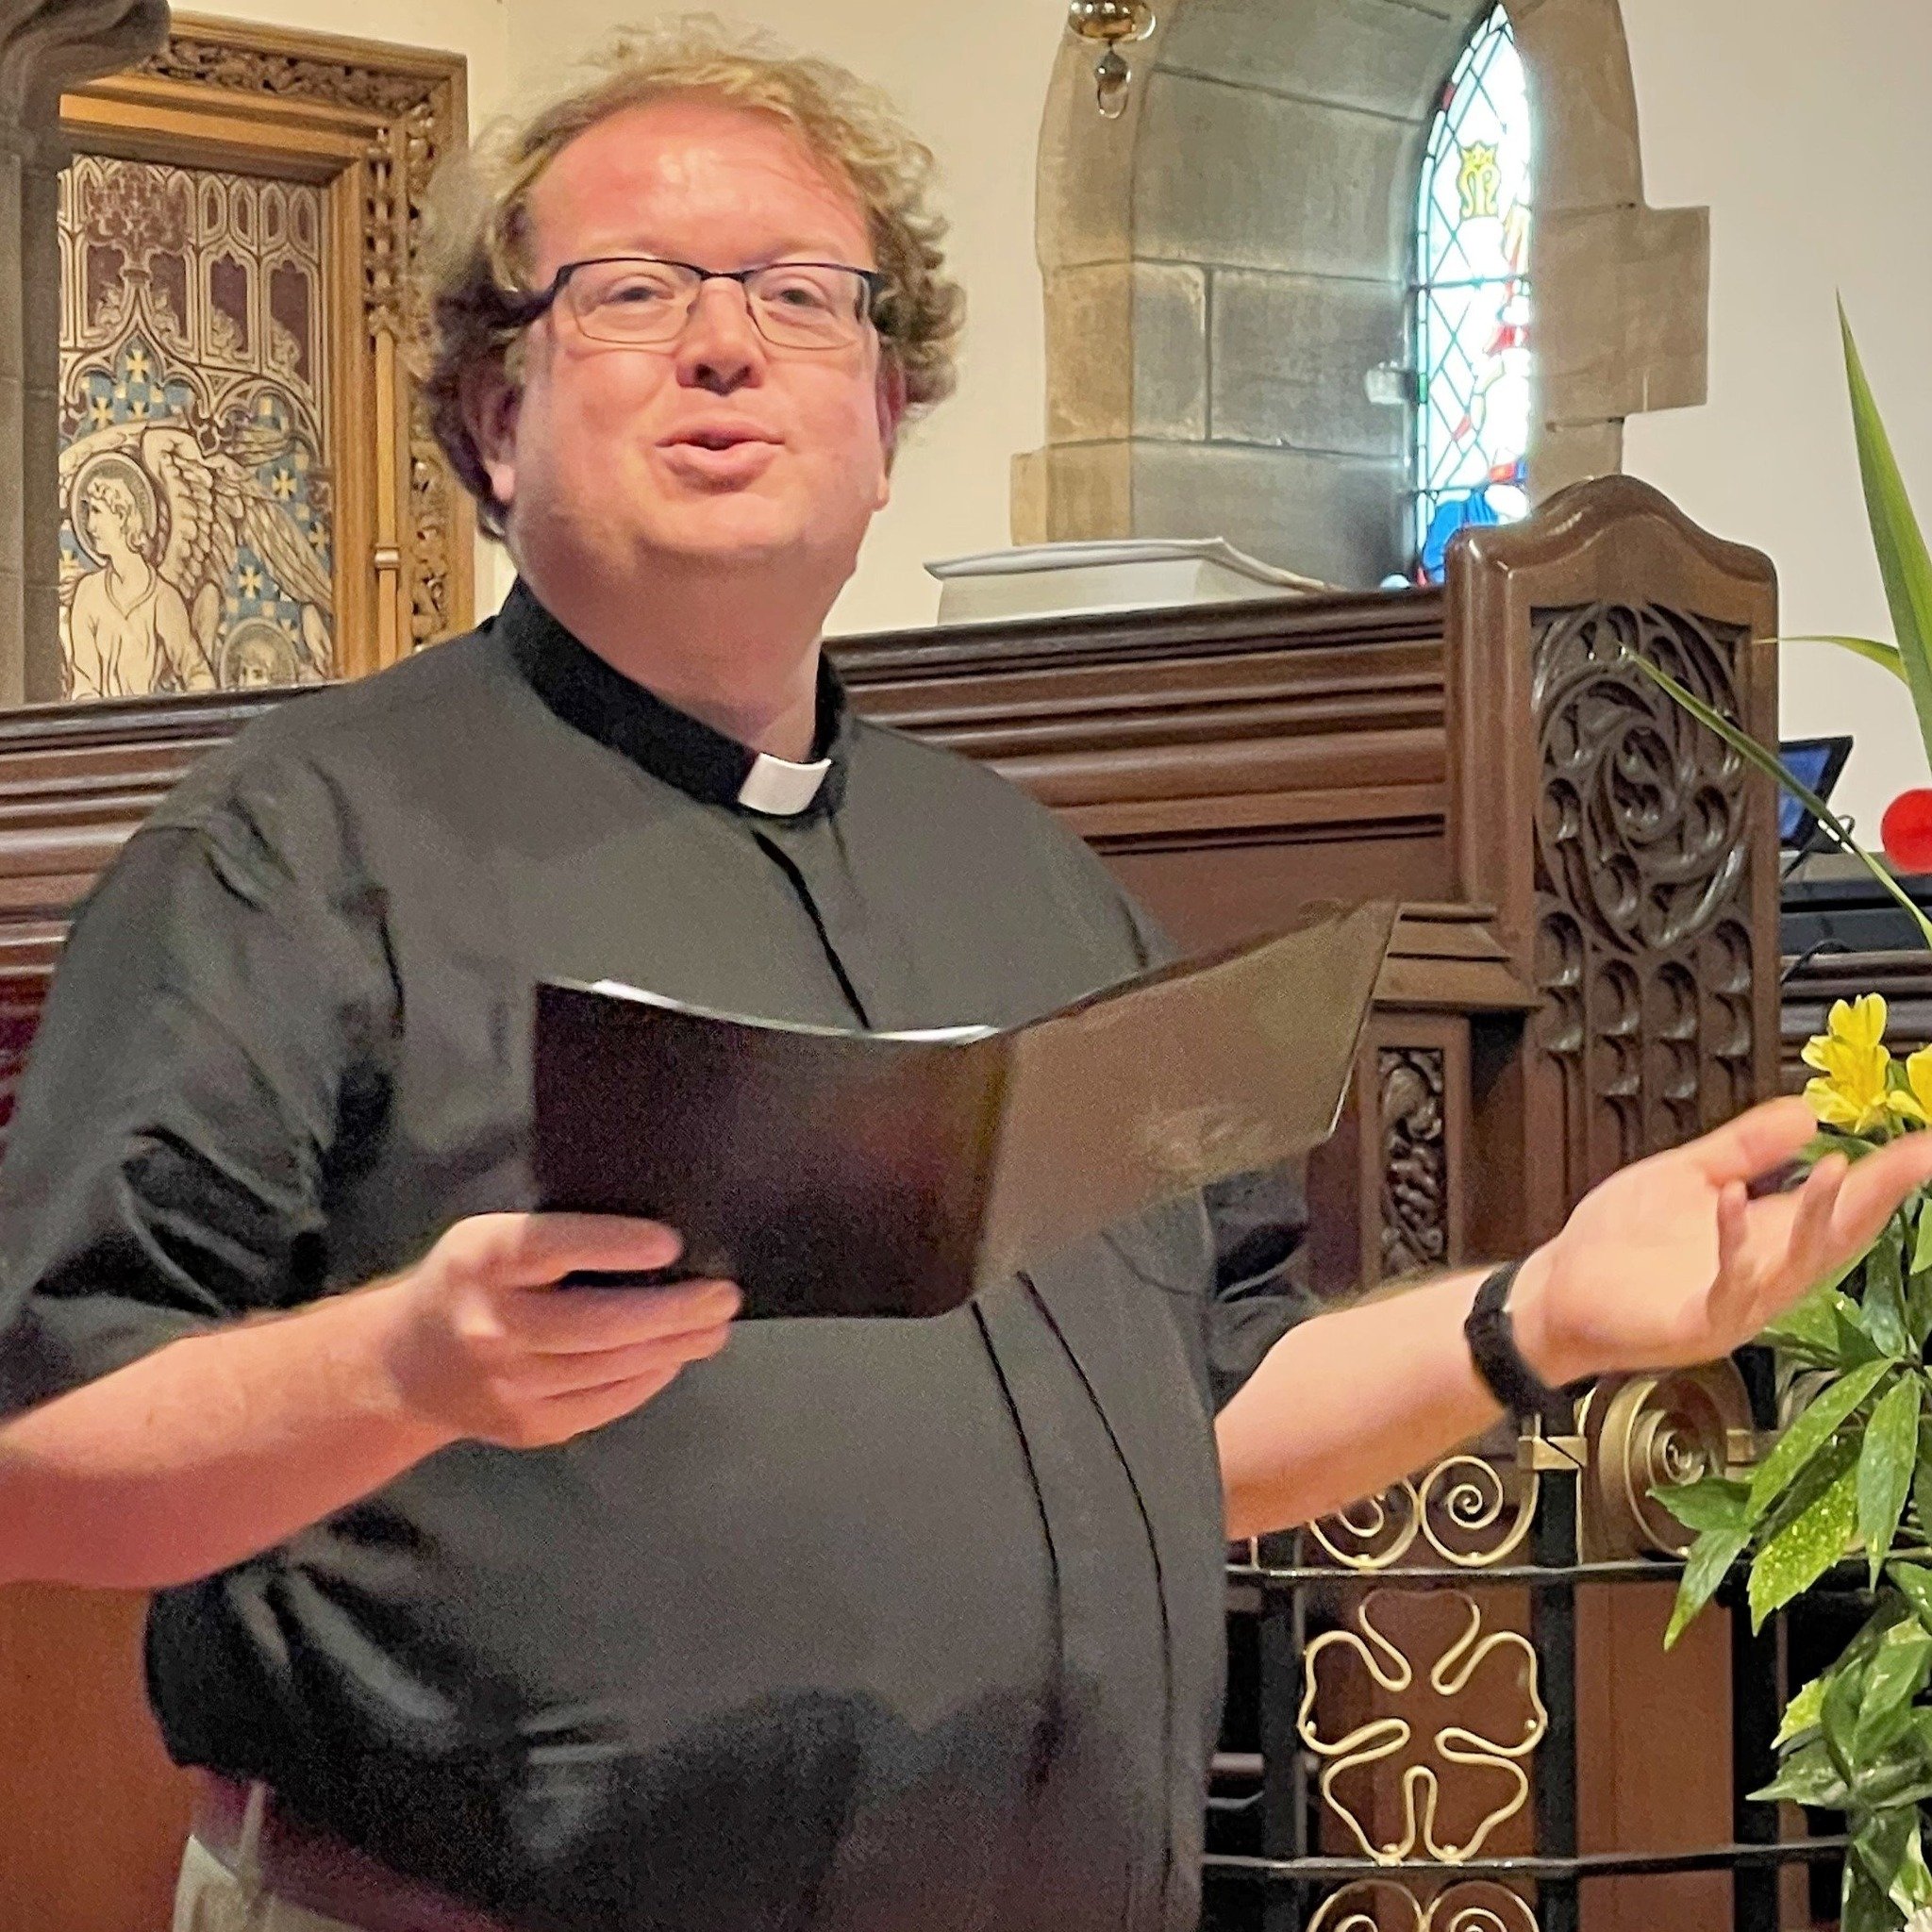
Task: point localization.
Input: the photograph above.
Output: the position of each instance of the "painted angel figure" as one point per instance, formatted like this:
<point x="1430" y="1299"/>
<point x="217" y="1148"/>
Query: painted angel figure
<point x="162" y="518"/>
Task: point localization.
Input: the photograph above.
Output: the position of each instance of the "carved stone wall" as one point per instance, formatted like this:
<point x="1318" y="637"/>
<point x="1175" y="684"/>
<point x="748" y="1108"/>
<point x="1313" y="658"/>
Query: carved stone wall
<point x="45" y="47"/>
<point x="1228" y="263"/>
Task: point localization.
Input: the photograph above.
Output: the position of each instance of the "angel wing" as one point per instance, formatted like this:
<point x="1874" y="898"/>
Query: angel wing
<point x="252" y="442"/>
<point x="281" y="543"/>
<point x="124" y="438"/>
<point x="203" y="508"/>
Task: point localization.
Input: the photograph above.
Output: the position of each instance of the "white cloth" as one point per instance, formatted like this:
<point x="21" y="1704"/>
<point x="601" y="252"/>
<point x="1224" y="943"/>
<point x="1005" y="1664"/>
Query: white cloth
<point x="210" y="1898"/>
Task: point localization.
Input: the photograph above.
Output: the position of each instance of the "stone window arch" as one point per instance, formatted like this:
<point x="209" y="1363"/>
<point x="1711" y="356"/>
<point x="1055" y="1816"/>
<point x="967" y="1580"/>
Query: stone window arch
<point x="1226" y="262"/>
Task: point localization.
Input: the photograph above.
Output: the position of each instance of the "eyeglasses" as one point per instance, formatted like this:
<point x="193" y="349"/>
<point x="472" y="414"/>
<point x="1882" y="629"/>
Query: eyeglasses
<point x="636" y="300"/>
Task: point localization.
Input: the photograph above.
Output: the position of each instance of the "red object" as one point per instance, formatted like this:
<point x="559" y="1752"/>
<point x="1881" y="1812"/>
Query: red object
<point x="1906" y="830"/>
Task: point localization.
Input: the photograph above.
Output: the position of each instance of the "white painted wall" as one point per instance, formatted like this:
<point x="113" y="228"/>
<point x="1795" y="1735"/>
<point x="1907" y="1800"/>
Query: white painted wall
<point x="1806" y="133"/>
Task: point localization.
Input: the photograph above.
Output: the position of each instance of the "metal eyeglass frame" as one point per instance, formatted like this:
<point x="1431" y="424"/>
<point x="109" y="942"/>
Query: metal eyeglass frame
<point x="539" y="302"/>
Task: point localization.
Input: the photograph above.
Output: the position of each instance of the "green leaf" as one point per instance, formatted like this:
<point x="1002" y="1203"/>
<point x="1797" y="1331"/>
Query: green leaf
<point x="1922" y="1243"/>
<point x="1919" y="1311"/>
<point x="1912" y="1884"/>
<point x="1903" y="560"/>
<point x="1761" y="760"/>
<point x="1706" y="1566"/>
<point x="1805" y="1548"/>
<point x="1878" y="651"/>
<point x="1886" y="1463"/>
<point x="1838" y="1714"/>
<point x="1710" y="1503"/>
<point x="1898" y="1779"/>
<point x="1802" y="1712"/>
<point x="1880" y="1843"/>
<point x="1890" y="1609"/>
<point x="1914" y="1583"/>
<point x="1894" y="1678"/>
<point x="1863" y="1907"/>
<point x="1883" y="1299"/>
<point x="1813" y="1430"/>
<point x="1811" y="1328"/>
<point x="1808" y="1777"/>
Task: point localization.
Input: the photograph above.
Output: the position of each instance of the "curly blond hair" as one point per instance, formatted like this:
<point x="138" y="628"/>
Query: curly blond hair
<point x="473" y="269"/>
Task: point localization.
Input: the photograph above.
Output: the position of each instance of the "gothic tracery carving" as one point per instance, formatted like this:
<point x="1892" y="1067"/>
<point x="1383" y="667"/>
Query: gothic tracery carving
<point x="1642" y="877"/>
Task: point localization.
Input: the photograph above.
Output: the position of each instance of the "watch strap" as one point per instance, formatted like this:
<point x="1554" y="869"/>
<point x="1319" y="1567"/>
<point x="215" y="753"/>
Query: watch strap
<point x="1499" y="1361"/>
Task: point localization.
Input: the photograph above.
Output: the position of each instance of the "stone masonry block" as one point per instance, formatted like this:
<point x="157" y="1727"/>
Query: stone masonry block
<point x="1289" y="358"/>
<point x="1573" y="453"/>
<point x="1127" y="352"/>
<point x="1089" y="353"/>
<point x="1252" y="180"/>
<point x="1338" y="518"/>
<point x="1382" y="54"/>
<point x="1623" y="315"/>
<point x="1584" y="100"/>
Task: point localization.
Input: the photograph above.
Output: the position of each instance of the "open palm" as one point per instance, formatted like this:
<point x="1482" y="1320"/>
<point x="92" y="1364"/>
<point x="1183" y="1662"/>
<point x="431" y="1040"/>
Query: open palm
<point x="1673" y="1262"/>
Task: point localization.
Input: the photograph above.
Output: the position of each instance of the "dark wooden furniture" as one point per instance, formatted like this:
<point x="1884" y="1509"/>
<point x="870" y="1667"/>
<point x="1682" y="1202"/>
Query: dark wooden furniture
<point x="1586" y="968"/>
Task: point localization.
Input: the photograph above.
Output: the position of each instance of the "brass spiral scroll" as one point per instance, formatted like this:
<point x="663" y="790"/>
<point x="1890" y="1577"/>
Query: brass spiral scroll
<point x="1469" y="1510"/>
<point x="1647" y="1431"/>
<point x="1474" y="1905"/>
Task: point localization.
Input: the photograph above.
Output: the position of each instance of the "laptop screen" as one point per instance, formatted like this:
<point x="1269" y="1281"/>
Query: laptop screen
<point x="1815" y="763"/>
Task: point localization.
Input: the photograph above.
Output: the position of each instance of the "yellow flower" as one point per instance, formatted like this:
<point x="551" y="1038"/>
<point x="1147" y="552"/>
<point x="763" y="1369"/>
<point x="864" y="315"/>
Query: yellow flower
<point x="1919" y="1078"/>
<point x="1856" y="1093"/>
<point x="1859" y="1023"/>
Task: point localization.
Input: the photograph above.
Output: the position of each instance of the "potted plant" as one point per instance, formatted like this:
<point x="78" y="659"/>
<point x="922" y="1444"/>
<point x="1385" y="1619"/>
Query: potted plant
<point x="1851" y="1476"/>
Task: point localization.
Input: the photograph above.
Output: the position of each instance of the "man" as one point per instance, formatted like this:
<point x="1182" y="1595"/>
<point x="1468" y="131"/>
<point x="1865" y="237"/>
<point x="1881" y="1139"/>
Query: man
<point x="485" y="1603"/>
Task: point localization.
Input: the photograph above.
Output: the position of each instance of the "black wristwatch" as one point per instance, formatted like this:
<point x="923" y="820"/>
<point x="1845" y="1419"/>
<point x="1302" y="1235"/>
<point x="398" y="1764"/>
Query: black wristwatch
<point x="1500" y="1363"/>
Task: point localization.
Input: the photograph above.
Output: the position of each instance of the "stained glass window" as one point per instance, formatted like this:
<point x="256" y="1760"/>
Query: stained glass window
<point x="1472" y="301"/>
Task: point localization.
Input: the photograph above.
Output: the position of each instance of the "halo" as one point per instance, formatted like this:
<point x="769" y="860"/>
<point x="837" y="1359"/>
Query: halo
<point x="110" y="462"/>
<point x="236" y="647"/>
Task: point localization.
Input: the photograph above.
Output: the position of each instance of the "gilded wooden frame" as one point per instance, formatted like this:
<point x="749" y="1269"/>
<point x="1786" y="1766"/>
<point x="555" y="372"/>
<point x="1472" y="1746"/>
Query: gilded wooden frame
<point x="366" y="123"/>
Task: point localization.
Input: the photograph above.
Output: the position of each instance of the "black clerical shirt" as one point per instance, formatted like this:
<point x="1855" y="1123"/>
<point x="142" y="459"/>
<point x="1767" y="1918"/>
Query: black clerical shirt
<point x="862" y="1624"/>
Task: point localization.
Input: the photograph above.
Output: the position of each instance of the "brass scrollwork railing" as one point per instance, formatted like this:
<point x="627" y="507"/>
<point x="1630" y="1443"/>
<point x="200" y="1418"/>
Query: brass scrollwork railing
<point x="1479" y="1906"/>
<point x="1452" y="1744"/>
<point x="1465" y="1510"/>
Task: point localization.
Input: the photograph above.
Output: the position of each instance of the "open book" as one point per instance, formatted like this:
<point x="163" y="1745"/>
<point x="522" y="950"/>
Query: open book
<point x="879" y="1174"/>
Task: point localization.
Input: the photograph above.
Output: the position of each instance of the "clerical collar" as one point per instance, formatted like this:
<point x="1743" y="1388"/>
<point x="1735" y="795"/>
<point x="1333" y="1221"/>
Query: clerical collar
<point x="585" y="691"/>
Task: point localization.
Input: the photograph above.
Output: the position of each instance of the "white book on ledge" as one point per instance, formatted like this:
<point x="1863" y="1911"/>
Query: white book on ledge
<point x="1114" y="574"/>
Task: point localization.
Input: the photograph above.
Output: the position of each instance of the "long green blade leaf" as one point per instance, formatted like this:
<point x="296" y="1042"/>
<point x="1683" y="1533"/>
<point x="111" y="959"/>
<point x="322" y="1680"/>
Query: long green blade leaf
<point x="1884" y="655"/>
<point x="1903" y="560"/>
<point x="1759" y="759"/>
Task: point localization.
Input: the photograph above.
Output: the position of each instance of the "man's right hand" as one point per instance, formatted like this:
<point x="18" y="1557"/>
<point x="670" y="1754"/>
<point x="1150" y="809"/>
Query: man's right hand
<point x="481" y="1342"/>
<point x="206" y="1451"/>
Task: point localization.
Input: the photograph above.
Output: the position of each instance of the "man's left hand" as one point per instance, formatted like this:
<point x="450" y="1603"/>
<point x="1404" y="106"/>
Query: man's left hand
<point x="1672" y="1261"/>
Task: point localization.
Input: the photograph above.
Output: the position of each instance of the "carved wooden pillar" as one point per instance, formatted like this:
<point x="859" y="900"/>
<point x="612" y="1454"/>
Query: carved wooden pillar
<point x="46" y="46"/>
<point x="1630" y="857"/>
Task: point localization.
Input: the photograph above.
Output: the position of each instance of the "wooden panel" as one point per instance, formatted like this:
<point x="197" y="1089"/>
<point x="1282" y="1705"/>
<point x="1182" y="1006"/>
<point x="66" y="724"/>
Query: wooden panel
<point x="1631" y="860"/>
<point x="96" y="1815"/>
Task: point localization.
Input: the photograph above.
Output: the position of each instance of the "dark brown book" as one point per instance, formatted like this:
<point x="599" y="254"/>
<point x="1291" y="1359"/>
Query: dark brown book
<point x="879" y="1174"/>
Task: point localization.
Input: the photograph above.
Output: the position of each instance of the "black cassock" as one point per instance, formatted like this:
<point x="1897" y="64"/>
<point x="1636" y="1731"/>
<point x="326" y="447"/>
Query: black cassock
<point x="911" y="1626"/>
